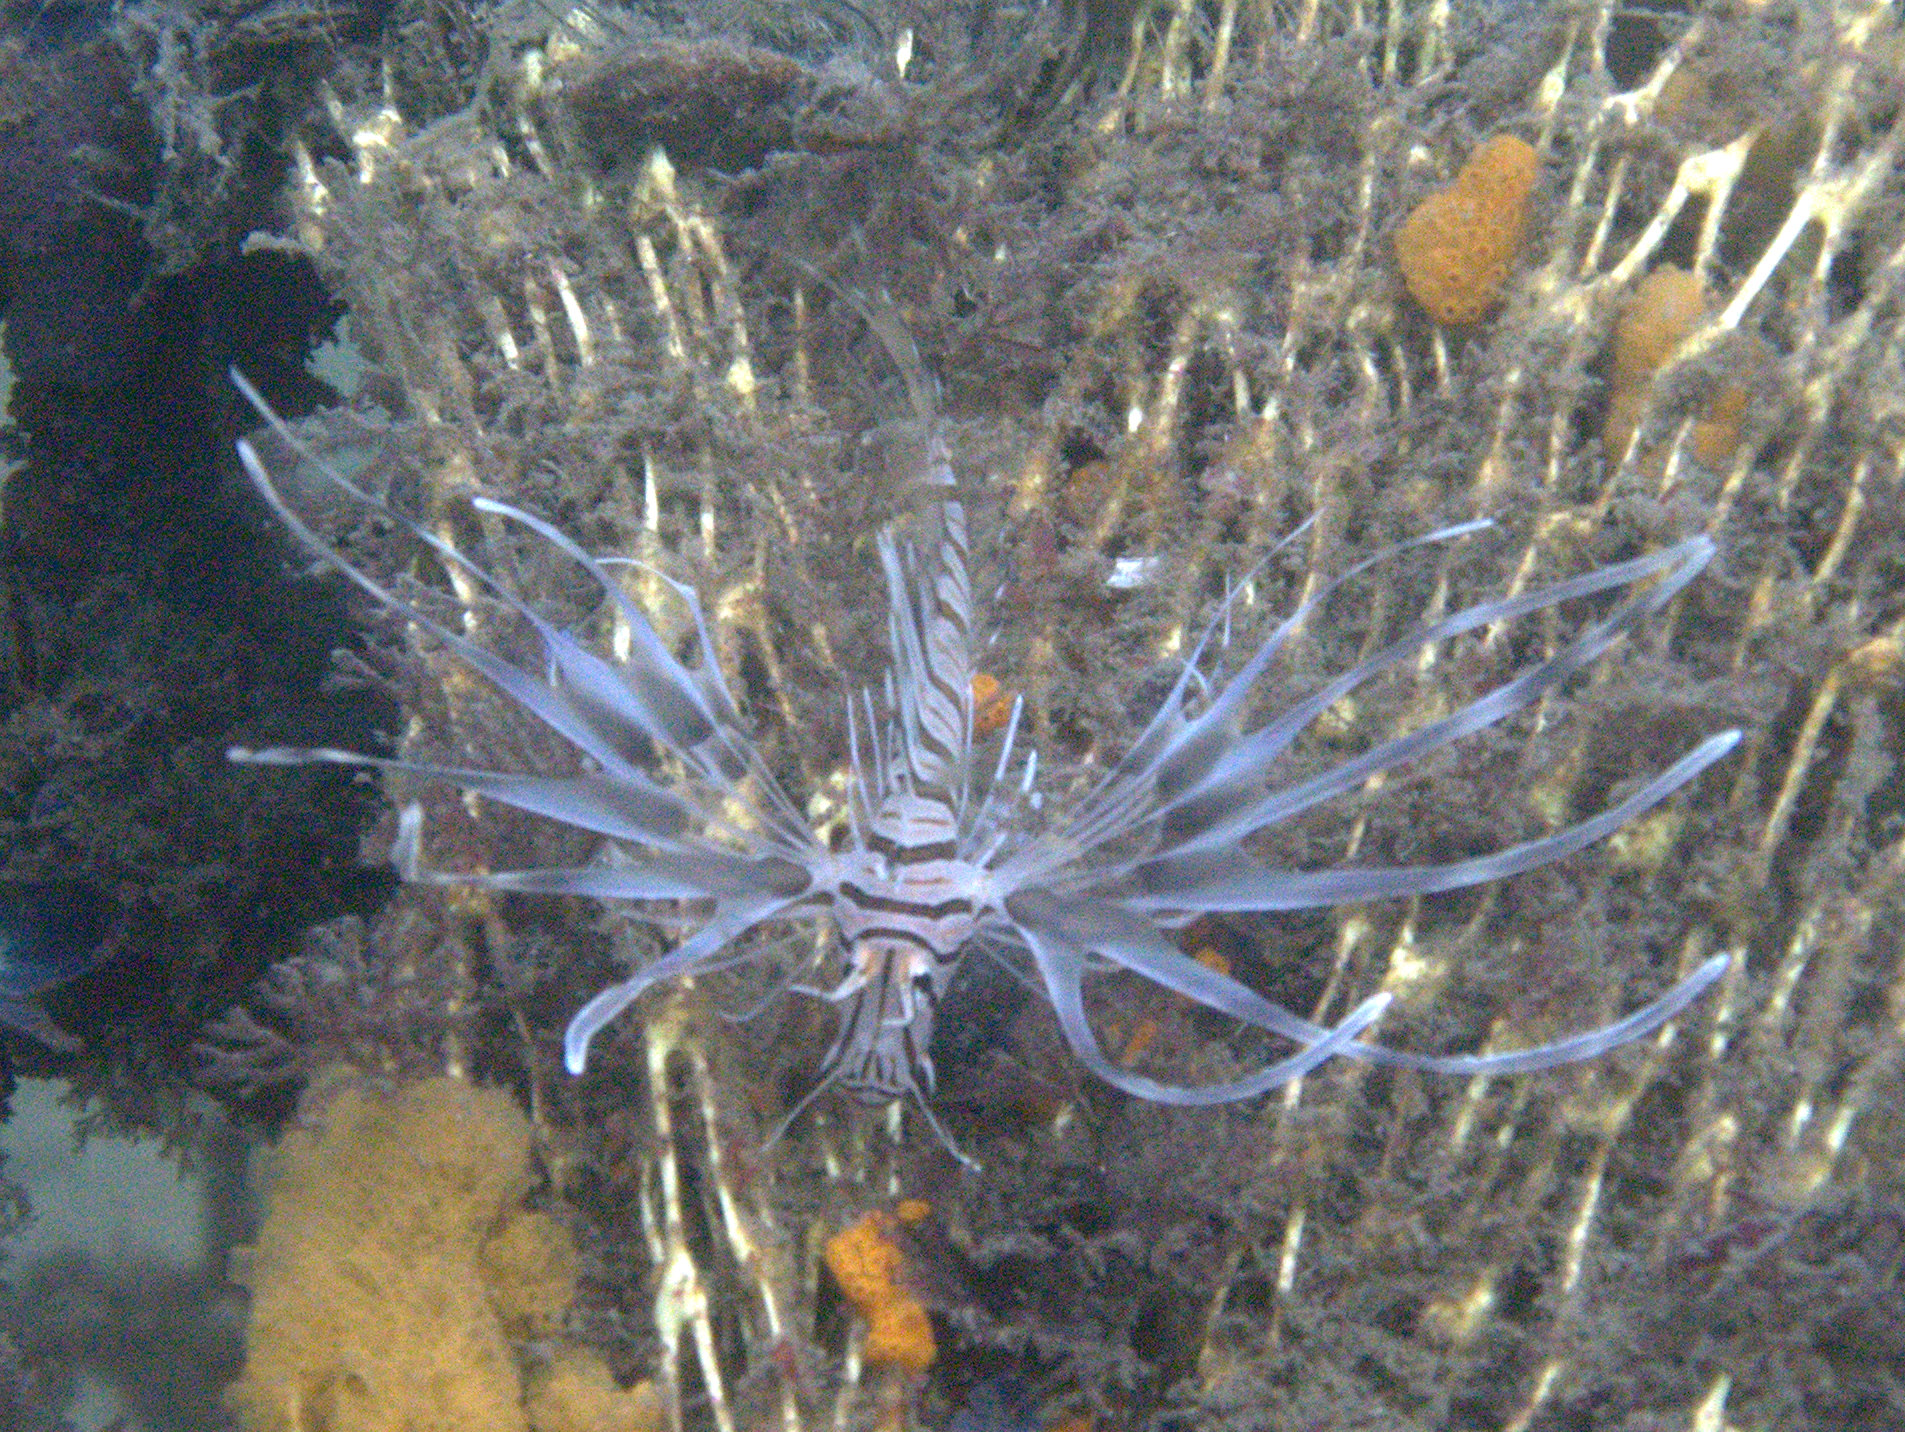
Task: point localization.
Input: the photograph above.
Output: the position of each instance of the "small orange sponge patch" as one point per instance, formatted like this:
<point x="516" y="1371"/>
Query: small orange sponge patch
<point x="991" y="704"/>
<point x="867" y="1263"/>
<point x="1458" y="246"/>
<point x="1666" y="306"/>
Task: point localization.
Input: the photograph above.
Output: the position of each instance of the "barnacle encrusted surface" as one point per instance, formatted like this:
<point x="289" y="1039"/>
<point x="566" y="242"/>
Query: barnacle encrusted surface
<point x="1151" y="260"/>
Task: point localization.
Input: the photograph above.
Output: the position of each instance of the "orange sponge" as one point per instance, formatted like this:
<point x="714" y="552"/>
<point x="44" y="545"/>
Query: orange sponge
<point x="867" y="1264"/>
<point x="1660" y="313"/>
<point x="1456" y="249"/>
<point x="991" y="704"/>
<point x="1666" y="306"/>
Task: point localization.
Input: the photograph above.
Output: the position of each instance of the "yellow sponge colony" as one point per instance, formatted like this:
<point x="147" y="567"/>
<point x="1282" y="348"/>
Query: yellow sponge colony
<point x="575" y="1393"/>
<point x="1458" y="247"/>
<point x="395" y="1263"/>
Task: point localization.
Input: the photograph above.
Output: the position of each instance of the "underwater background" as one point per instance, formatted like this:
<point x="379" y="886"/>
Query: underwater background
<point x="1187" y="274"/>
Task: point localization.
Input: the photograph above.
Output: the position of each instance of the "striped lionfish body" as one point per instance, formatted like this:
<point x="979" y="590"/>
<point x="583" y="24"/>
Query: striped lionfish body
<point x="907" y="901"/>
<point x="940" y="861"/>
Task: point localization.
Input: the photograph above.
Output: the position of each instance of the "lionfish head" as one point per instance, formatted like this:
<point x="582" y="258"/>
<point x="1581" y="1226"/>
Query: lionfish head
<point x="886" y="1024"/>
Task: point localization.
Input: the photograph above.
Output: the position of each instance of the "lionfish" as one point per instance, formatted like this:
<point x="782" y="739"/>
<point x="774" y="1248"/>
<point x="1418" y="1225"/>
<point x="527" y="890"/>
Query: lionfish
<point x="940" y="859"/>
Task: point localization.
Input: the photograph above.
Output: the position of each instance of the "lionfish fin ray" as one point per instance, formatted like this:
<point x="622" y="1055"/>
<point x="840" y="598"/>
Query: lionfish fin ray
<point x="1061" y="958"/>
<point x="621" y="809"/>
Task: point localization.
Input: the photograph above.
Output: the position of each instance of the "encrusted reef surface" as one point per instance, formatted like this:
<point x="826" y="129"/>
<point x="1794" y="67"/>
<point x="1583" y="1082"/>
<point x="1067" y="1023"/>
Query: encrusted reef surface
<point x="603" y="265"/>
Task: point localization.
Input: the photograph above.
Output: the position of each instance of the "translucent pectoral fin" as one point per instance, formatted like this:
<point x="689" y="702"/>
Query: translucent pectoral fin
<point x="1573" y="1050"/>
<point x="1061" y="954"/>
<point x="695" y="873"/>
<point x="635" y="810"/>
<point x="1065" y="938"/>
<point x="1228" y="879"/>
<point x="706" y="951"/>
